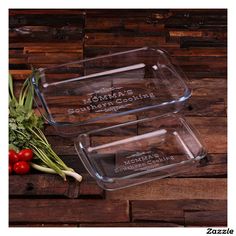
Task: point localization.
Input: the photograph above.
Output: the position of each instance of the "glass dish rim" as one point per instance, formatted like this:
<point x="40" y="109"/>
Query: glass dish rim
<point x="185" y="96"/>
<point x="105" y="179"/>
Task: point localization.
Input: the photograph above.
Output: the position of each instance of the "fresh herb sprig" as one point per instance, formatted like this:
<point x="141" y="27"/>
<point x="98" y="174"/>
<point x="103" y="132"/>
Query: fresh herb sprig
<point x="25" y="131"/>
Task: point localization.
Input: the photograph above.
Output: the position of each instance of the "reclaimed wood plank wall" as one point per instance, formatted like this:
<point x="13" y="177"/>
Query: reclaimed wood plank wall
<point x="197" y="40"/>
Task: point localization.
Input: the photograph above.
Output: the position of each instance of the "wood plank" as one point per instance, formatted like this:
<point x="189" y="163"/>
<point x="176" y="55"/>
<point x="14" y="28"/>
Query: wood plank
<point x="143" y="26"/>
<point x="93" y="50"/>
<point x="68" y="211"/>
<point x="48" y="58"/>
<point x="72" y="44"/>
<point x="49" y="185"/>
<point x="106" y="40"/>
<point x="13" y="12"/>
<point x="206" y="107"/>
<point x="155" y="211"/>
<point x="207" y="127"/>
<point x="205" y="42"/>
<point x="46" y="20"/>
<point x="175" y="188"/>
<point x="185" y="33"/>
<point x="136" y="25"/>
<point x="125" y="13"/>
<point x="101" y="23"/>
<point x="197" y="21"/>
<point x="131" y="224"/>
<point x="52" y="49"/>
<point x="215" y="165"/>
<point x="203" y="34"/>
<point x="213" y="132"/>
<point x="218" y="144"/>
<point x="199" y="60"/>
<point x="17" y="60"/>
<point x="202" y="122"/>
<point x="114" y="40"/>
<point x="208" y="218"/>
<point x="43" y="33"/>
<point x="204" y="69"/>
<point x="198" y="52"/>
<point x="181" y="212"/>
<point x="89" y="188"/>
<point x="42" y="185"/>
<point x="215" y="87"/>
<point x="20" y="74"/>
<point x="217" y="73"/>
<point x="51" y="225"/>
<point x="194" y="11"/>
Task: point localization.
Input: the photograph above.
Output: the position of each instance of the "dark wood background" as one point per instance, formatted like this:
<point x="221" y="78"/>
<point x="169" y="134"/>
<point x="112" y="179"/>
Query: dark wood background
<point x="198" y="40"/>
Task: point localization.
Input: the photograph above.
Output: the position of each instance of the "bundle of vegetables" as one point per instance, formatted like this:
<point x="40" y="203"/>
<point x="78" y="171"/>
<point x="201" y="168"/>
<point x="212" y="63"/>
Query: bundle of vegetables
<point x="25" y="131"/>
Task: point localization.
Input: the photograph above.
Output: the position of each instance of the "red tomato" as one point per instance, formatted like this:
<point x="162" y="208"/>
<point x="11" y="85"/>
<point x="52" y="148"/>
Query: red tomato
<point x="13" y="156"/>
<point x="25" y="155"/>
<point x="10" y="169"/>
<point x="21" y="167"/>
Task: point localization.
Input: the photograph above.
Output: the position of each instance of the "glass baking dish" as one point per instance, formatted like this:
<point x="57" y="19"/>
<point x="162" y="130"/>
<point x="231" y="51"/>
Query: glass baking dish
<point x="120" y="110"/>
<point x="75" y="97"/>
<point x="139" y="151"/>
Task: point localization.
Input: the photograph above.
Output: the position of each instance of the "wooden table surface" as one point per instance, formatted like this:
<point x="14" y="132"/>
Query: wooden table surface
<point x="198" y="40"/>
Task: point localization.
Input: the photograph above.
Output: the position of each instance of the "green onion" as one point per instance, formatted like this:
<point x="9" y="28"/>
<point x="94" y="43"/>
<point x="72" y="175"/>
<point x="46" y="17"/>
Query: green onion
<point x="25" y="131"/>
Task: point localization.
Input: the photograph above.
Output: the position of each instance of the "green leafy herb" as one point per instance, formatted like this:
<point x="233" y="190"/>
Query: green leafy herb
<point x="25" y="131"/>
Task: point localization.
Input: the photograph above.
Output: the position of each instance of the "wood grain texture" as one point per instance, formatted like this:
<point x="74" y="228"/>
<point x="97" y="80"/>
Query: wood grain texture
<point x="131" y="224"/>
<point x="174" y="188"/>
<point x="89" y="188"/>
<point x="42" y="185"/>
<point x="196" y="40"/>
<point x="46" y="185"/>
<point x="51" y="225"/>
<point x="68" y="211"/>
<point x="208" y="218"/>
<point x="206" y="127"/>
<point x="186" y="212"/>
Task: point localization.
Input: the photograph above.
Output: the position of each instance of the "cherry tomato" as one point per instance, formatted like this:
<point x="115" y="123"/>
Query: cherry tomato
<point x="21" y="167"/>
<point x="10" y="169"/>
<point x="25" y="155"/>
<point x="13" y="156"/>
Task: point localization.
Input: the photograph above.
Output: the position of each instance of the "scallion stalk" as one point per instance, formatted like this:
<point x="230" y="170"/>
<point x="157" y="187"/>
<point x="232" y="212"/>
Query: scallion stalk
<point x="25" y="132"/>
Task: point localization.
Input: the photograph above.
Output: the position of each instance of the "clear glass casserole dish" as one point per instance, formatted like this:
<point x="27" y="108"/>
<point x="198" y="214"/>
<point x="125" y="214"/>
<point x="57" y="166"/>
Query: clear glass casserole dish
<point x="75" y="96"/>
<point x="120" y="111"/>
<point x="139" y="151"/>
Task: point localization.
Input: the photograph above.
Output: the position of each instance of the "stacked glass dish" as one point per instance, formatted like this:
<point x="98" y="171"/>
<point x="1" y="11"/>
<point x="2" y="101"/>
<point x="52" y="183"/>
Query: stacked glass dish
<point x="122" y="110"/>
